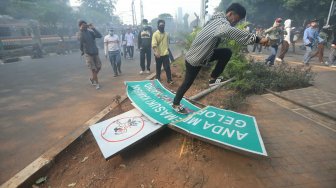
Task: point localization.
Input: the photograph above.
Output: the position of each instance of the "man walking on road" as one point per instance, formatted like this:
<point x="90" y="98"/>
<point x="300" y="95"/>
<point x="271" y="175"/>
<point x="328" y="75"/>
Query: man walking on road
<point x="160" y="43"/>
<point x="87" y="38"/>
<point x="275" y="33"/>
<point x="145" y="46"/>
<point x="310" y="40"/>
<point x="129" y="37"/>
<point x="112" y="50"/>
<point x="204" y="48"/>
<point x="286" y="41"/>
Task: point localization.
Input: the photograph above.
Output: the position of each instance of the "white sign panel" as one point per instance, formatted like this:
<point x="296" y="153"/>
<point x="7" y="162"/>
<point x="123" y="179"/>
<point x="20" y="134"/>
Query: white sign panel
<point x="115" y="134"/>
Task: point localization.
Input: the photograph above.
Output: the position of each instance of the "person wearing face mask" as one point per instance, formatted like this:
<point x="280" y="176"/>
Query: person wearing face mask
<point x="145" y="47"/>
<point x="310" y="40"/>
<point x="112" y="51"/>
<point x="87" y="37"/>
<point x="205" y="49"/>
<point x="129" y="37"/>
<point x="160" y="45"/>
<point x="275" y="33"/>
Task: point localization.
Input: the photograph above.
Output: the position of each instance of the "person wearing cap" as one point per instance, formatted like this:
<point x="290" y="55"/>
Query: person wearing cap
<point x="87" y="38"/>
<point x="204" y="49"/>
<point x="112" y="51"/>
<point x="274" y="33"/>
<point x="310" y="40"/>
<point x="145" y="46"/>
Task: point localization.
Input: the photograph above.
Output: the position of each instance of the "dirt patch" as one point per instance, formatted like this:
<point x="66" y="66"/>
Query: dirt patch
<point x="166" y="159"/>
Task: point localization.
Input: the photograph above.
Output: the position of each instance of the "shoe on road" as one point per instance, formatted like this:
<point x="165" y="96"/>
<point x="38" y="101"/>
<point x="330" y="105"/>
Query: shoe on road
<point x="278" y="59"/>
<point x="92" y="82"/>
<point x="97" y="86"/>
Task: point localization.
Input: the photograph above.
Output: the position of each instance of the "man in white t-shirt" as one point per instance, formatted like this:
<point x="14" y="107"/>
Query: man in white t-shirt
<point x="112" y="50"/>
<point x="129" y="37"/>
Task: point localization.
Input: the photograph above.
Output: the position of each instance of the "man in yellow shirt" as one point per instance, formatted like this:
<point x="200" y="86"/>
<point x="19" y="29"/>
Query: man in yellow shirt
<point x="160" y="47"/>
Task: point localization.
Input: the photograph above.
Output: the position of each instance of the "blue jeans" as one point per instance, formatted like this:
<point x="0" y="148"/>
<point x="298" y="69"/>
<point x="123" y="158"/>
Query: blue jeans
<point x="115" y="61"/>
<point x="271" y="58"/>
<point x="332" y="56"/>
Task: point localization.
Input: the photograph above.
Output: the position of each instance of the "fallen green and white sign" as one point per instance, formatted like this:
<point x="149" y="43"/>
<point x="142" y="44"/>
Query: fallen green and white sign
<point x="221" y="127"/>
<point x="225" y="127"/>
<point x="154" y="101"/>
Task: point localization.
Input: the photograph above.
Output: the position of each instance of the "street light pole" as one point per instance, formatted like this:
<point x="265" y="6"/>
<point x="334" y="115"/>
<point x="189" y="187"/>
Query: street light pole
<point x="133" y="14"/>
<point x="331" y="10"/>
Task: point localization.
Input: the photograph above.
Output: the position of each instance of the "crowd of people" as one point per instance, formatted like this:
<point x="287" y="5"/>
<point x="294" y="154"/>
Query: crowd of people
<point x="283" y="34"/>
<point x="116" y="46"/>
<point x="205" y="47"/>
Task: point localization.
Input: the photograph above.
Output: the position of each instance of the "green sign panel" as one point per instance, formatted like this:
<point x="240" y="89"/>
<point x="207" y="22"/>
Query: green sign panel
<point x="225" y="127"/>
<point x="154" y="101"/>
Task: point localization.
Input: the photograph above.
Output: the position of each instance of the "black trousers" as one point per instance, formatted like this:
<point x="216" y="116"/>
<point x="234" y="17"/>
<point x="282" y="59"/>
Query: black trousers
<point x="145" y="54"/>
<point x="222" y="55"/>
<point x="163" y="60"/>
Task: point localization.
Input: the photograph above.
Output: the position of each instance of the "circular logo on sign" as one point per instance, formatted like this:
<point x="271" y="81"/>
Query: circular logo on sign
<point x="122" y="129"/>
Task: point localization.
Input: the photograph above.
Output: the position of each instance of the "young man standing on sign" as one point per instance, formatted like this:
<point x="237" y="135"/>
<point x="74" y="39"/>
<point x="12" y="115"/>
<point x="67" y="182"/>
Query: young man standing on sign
<point x="204" y="48"/>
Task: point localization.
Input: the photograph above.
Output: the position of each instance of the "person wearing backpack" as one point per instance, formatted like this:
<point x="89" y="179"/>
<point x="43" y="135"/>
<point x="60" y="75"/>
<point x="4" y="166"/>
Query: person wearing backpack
<point x="274" y="34"/>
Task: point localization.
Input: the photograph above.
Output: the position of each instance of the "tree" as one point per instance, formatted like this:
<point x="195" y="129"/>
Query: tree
<point x="98" y="11"/>
<point x="264" y="12"/>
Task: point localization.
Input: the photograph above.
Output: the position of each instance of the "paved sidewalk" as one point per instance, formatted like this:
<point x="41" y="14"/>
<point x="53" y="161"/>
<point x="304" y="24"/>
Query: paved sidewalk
<point x="301" y="152"/>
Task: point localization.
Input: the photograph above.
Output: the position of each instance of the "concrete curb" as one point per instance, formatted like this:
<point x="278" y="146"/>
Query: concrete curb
<point x="302" y="105"/>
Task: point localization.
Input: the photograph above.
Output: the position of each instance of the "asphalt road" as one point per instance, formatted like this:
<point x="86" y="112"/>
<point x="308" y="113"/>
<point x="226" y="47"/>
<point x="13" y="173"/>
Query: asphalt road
<point x="43" y="100"/>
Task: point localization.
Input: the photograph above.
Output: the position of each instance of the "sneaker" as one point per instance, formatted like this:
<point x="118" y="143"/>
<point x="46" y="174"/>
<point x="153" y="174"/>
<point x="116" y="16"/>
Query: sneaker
<point x="170" y="82"/>
<point x="147" y="71"/>
<point x="141" y="72"/>
<point x="179" y="109"/>
<point x="115" y="75"/>
<point x="278" y="59"/>
<point x="326" y="63"/>
<point x="216" y="82"/>
<point x="97" y="86"/>
<point x="92" y="82"/>
<point x="332" y="65"/>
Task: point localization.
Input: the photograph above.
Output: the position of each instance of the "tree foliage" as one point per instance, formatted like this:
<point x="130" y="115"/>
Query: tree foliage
<point x="58" y="12"/>
<point x="263" y="12"/>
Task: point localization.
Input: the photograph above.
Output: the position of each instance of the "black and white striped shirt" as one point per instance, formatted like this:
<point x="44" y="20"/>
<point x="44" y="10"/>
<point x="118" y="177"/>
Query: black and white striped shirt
<point x="209" y="37"/>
